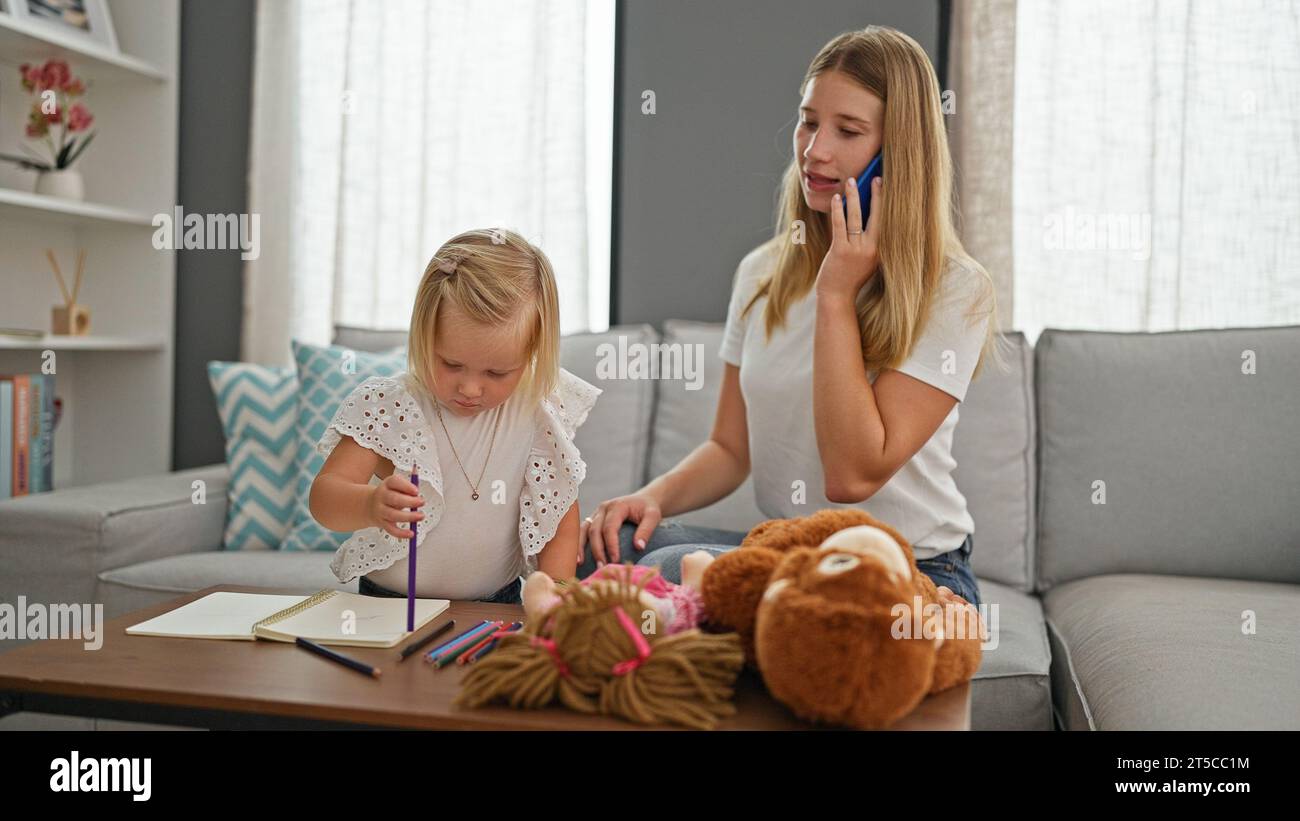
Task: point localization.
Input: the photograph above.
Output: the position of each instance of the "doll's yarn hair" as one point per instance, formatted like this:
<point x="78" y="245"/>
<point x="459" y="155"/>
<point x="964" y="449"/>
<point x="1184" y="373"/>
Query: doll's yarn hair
<point x="572" y="653"/>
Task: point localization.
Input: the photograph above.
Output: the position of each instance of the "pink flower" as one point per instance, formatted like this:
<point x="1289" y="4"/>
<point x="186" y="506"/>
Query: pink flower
<point x="74" y="87"/>
<point x="31" y="76"/>
<point x="52" y="117"/>
<point x="79" y="118"/>
<point x="55" y="74"/>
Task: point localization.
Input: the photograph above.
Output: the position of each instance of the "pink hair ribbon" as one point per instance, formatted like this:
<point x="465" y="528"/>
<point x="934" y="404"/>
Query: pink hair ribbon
<point x="642" y="646"/>
<point x="549" y="644"/>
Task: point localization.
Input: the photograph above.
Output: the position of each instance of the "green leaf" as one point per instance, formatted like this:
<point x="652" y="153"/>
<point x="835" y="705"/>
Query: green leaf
<point x="26" y="163"/>
<point x="80" y="148"/>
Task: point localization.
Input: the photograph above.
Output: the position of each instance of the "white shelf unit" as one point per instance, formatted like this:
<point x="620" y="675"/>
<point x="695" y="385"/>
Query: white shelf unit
<point x="23" y="205"/>
<point x="116" y="382"/>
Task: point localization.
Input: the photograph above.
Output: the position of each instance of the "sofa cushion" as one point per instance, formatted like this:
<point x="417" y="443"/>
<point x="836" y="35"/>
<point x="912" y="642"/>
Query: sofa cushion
<point x="1141" y="652"/>
<point x="683" y="420"/>
<point x="616" y="436"/>
<point x="258" y="406"/>
<point x="326" y="376"/>
<point x="1012" y="687"/>
<point x="994" y="445"/>
<point x="148" y="583"/>
<point x="1198" y="459"/>
<point x="52" y="544"/>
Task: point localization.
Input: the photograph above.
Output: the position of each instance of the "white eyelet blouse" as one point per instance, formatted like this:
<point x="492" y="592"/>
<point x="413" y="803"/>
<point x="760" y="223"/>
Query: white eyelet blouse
<point x="465" y="548"/>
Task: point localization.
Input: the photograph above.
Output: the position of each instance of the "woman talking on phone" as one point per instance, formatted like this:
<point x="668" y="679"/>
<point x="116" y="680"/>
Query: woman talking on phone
<point x="850" y="337"/>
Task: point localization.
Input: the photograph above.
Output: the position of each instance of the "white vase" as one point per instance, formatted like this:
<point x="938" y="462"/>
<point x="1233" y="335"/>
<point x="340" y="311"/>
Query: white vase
<point x="65" y="183"/>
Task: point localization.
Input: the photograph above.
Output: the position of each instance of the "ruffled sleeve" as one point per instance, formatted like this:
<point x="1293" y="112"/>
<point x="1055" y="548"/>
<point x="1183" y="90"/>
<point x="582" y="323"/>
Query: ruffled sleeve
<point x="381" y="415"/>
<point x="555" y="468"/>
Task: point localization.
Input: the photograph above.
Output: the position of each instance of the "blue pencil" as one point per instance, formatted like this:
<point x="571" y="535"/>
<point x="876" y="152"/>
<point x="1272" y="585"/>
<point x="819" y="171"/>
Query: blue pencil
<point x="434" y="653"/>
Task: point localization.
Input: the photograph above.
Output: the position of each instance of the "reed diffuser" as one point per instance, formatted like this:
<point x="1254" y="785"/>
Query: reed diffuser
<point x="70" y="318"/>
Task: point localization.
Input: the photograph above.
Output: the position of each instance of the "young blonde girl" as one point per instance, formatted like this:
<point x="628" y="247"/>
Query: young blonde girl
<point x="484" y="416"/>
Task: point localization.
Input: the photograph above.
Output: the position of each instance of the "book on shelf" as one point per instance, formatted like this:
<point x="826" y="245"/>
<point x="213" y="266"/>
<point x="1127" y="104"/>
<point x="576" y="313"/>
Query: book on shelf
<point x="27" y="418"/>
<point x="23" y="333"/>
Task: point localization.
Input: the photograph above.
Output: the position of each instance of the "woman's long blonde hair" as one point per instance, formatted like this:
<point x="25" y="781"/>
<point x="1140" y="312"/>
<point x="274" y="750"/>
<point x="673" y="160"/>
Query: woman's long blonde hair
<point x="496" y="277"/>
<point x="917" y="237"/>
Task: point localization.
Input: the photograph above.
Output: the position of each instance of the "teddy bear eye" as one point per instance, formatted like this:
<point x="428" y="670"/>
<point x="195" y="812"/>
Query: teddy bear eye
<point x="837" y="563"/>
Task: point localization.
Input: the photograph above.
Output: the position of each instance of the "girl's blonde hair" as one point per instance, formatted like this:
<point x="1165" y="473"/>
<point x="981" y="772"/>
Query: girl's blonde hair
<point x="917" y="237"/>
<point x="496" y="277"/>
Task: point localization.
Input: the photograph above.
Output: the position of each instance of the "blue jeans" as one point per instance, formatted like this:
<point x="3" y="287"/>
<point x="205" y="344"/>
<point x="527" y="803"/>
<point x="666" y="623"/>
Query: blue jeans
<point x="672" y="540"/>
<point x="510" y="594"/>
<point x="670" y="533"/>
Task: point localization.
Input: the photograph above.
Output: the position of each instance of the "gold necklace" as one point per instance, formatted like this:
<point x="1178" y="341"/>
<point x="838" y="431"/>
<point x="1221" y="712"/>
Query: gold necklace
<point x="472" y="485"/>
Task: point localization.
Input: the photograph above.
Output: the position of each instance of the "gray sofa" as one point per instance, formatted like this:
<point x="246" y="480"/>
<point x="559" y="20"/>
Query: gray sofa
<point x="1128" y="610"/>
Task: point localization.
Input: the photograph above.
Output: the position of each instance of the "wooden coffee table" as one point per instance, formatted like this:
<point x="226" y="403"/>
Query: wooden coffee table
<point x="273" y="685"/>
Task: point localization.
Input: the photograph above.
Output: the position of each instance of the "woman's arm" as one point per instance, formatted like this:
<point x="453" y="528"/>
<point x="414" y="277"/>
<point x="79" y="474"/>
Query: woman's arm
<point x="865" y="433"/>
<point x="559" y="559"/>
<point x="709" y="473"/>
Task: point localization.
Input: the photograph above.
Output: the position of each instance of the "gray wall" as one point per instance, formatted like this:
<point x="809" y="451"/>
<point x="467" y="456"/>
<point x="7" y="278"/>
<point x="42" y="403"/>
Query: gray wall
<point x="215" y="96"/>
<point x="696" y="183"/>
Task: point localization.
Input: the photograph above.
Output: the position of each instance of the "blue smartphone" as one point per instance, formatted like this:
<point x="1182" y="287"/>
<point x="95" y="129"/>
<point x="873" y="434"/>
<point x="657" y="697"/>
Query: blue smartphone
<point x="874" y="169"/>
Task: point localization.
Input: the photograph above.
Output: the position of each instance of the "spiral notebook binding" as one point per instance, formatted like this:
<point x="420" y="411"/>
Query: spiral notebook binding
<point x="289" y="612"/>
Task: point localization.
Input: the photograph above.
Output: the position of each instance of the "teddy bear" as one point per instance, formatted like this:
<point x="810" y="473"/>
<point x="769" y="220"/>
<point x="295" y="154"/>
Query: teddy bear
<point x="839" y="621"/>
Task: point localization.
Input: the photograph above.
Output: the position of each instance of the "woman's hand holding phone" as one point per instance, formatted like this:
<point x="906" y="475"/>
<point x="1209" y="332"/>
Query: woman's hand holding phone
<point x="854" y="254"/>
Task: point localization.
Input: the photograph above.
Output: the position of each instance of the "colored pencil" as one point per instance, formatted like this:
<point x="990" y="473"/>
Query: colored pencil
<point x="491" y="644"/>
<point x="410" y="567"/>
<point x="453" y="652"/>
<point x="359" y="666"/>
<point x="464" y="639"/>
<point x="410" y="649"/>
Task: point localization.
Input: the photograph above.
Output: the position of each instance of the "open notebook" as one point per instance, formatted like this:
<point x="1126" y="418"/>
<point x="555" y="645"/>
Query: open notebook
<point x="322" y="618"/>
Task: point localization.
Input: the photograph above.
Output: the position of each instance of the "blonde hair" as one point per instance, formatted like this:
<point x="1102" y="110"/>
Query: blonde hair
<point x="496" y="277"/>
<point x="917" y="237"/>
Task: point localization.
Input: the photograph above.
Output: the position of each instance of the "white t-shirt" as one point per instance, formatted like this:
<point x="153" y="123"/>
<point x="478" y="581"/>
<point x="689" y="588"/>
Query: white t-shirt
<point x="776" y="378"/>
<point x="465" y="548"/>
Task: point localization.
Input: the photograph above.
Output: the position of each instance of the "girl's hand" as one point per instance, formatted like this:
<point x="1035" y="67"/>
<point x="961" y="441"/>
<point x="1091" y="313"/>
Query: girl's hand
<point x="600" y="529"/>
<point x="389" y="502"/>
<point x="853" y="258"/>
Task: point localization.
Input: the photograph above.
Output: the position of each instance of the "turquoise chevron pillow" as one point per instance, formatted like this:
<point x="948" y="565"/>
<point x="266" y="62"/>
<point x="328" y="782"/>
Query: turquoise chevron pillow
<point x="258" y="407"/>
<point x="326" y="376"/>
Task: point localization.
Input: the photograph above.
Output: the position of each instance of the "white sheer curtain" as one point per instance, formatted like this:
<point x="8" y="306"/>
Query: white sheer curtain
<point x="383" y="127"/>
<point x="1156" y="164"/>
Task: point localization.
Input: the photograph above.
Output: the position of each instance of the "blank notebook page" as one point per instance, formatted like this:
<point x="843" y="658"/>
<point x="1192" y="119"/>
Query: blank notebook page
<point x="216" y="616"/>
<point x="372" y="620"/>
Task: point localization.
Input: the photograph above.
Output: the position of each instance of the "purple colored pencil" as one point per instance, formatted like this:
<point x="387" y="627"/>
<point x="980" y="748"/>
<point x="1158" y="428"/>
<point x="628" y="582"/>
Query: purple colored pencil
<point x="410" y="567"/>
